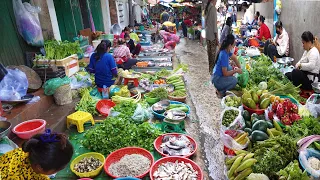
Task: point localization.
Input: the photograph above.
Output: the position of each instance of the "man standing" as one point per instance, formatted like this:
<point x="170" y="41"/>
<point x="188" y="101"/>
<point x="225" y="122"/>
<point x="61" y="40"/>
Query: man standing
<point x="211" y="32"/>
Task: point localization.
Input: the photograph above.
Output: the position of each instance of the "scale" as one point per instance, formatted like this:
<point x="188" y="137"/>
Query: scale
<point x="174" y="123"/>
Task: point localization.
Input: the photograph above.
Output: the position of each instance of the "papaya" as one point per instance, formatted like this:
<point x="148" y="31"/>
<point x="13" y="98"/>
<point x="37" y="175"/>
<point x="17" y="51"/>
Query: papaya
<point x="255" y="97"/>
<point x="265" y="103"/>
<point x="251" y="104"/>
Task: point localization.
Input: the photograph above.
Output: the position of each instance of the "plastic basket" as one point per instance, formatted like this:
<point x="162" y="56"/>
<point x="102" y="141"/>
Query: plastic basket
<point x="251" y="111"/>
<point x="27" y="129"/>
<point x="90" y="174"/>
<point x="157" y="143"/>
<point x="173" y="160"/>
<point x="161" y="116"/>
<point x="118" y="154"/>
<point x="104" y="106"/>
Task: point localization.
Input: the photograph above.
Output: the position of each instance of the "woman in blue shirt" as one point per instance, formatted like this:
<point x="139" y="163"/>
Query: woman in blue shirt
<point x="103" y="65"/>
<point x="222" y="76"/>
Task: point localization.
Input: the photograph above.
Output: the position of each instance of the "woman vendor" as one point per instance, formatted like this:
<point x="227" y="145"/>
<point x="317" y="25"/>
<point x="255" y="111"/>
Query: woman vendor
<point x="123" y="55"/>
<point x="134" y="49"/>
<point x="226" y="29"/>
<point x="42" y="155"/>
<point x="279" y="47"/>
<point x="103" y="65"/>
<point x="263" y="32"/>
<point x="126" y="30"/>
<point x="307" y="69"/>
<point x="222" y="76"/>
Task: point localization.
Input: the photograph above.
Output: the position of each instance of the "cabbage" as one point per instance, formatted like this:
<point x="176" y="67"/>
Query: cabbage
<point x="255" y="176"/>
<point x="263" y="85"/>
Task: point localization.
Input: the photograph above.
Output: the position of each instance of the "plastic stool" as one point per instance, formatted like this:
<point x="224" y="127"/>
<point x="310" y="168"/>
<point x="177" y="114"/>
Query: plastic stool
<point x="79" y="118"/>
<point x="306" y="93"/>
<point x="134" y="80"/>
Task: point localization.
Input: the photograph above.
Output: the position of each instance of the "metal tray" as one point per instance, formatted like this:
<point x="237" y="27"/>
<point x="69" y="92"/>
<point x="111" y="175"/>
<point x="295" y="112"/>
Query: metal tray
<point x="23" y="99"/>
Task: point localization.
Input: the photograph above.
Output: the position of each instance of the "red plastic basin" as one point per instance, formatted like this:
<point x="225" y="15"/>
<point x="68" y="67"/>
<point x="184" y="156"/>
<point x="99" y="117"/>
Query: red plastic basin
<point x="104" y="106"/>
<point x="27" y="129"/>
<point x="157" y="143"/>
<point x="251" y="111"/>
<point x="173" y="159"/>
<point x="118" y="154"/>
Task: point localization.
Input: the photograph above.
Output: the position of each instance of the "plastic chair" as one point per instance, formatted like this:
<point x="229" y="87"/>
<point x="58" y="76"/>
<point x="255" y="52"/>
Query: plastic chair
<point x="79" y="118"/>
<point x="134" y="80"/>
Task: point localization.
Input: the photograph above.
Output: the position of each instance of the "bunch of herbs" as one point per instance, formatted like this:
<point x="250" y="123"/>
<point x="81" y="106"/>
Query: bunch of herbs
<point x="117" y="132"/>
<point x="274" y="154"/>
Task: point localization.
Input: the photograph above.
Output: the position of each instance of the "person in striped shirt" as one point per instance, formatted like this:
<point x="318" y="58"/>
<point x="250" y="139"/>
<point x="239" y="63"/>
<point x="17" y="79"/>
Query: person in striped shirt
<point x="123" y="56"/>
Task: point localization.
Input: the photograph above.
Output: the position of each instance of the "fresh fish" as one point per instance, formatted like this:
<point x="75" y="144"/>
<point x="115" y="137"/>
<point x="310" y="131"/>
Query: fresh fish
<point x="175" y="171"/>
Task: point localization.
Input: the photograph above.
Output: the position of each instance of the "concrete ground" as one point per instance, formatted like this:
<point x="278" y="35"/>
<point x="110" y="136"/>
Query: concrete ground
<point x="205" y="109"/>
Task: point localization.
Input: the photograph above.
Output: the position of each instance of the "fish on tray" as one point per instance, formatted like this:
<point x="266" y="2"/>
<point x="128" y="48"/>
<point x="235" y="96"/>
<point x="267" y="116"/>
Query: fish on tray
<point x="176" y="145"/>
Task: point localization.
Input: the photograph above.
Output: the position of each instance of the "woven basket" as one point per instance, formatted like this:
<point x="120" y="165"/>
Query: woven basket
<point x="180" y="99"/>
<point x="63" y="95"/>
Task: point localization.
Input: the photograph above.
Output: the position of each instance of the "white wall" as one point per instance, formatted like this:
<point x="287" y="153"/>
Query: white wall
<point x="123" y="21"/>
<point x="54" y="21"/>
<point x="106" y="15"/>
<point x="266" y="10"/>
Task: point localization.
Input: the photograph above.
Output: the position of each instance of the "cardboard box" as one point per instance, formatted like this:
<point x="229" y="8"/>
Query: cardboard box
<point x="70" y="64"/>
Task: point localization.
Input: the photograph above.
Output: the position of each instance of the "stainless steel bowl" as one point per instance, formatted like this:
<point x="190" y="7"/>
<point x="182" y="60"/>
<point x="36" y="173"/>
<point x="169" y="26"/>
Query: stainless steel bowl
<point x="4" y="128"/>
<point x="316" y="87"/>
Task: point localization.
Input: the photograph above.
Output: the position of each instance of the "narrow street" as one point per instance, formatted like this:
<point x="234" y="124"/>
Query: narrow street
<point x="206" y="108"/>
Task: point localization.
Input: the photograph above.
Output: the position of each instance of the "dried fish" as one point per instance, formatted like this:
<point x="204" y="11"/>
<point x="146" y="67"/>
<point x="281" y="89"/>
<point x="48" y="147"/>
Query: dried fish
<point x="175" y="171"/>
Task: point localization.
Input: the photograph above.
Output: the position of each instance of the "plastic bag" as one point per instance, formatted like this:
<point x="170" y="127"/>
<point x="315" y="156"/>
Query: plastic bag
<point x="243" y="78"/>
<point x="141" y="114"/>
<point x="223" y="100"/>
<point x="28" y="22"/>
<point x="303" y="159"/>
<point x="14" y="85"/>
<point x="229" y="142"/>
<point x="238" y="122"/>
<point x="253" y="51"/>
<point x="51" y="85"/>
<point x="96" y="94"/>
<point x="80" y="81"/>
<point x="313" y="104"/>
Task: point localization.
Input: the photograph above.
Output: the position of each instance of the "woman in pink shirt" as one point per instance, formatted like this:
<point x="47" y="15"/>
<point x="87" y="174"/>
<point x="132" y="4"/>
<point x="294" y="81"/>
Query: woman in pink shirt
<point x="124" y="31"/>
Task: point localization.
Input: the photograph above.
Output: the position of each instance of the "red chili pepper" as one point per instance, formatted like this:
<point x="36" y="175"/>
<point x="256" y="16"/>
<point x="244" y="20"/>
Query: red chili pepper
<point x="229" y="151"/>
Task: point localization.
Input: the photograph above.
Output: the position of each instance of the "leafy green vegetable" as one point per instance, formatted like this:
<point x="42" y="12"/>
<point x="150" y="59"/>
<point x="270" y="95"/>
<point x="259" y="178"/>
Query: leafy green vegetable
<point x="274" y="154"/>
<point x="61" y="49"/>
<point x="126" y="109"/>
<point x="305" y="127"/>
<point x="163" y="73"/>
<point x="293" y="172"/>
<point x="115" y="133"/>
<point x="178" y="93"/>
<point x="160" y="93"/>
<point x="87" y="103"/>
<point x="182" y="66"/>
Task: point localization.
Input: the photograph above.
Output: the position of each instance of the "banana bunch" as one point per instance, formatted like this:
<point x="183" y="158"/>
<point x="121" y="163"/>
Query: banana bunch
<point x="240" y="165"/>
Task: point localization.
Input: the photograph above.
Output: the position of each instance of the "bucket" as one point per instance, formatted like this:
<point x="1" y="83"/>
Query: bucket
<point x="95" y="43"/>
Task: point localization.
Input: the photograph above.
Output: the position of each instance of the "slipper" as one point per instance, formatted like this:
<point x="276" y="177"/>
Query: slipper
<point x="219" y="95"/>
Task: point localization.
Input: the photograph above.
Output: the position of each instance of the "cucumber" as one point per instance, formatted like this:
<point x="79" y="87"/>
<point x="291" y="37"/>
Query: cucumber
<point x="248" y="130"/>
<point x="246" y="115"/>
<point x="270" y="125"/>
<point x="255" y="120"/>
<point x="260" y="125"/>
<point x="259" y="136"/>
<point x="248" y="124"/>
<point x="254" y="115"/>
